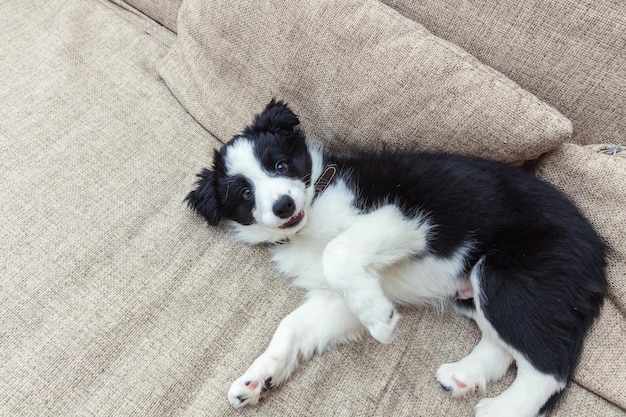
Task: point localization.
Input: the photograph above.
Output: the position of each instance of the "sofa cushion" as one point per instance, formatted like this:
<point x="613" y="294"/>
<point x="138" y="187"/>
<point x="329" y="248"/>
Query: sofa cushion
<point x="358" y="74"/>
<point x="596" y="182"/>
<point x="164" y="12"/>
<point x="568" y="53"/>
<point x="96" y="315"/>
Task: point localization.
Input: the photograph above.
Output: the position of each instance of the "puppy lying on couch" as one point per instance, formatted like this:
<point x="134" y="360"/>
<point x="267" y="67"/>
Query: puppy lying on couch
<point x="363" y="232"/>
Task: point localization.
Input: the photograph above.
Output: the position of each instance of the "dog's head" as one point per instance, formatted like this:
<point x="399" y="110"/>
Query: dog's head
<point x="260" y="180"/>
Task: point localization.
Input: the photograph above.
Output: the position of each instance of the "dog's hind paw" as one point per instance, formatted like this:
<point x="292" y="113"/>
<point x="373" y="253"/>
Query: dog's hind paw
<point x="493" y="407"/>
<point x="458" y="381"/>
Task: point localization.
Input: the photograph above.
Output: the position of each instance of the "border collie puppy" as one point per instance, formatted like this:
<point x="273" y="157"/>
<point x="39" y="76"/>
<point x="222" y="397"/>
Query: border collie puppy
<point x="364" y="232"/>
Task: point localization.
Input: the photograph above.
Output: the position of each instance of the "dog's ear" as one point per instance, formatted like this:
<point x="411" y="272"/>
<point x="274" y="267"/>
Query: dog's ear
<point x="203" y="200"/>
<point x="276" y="118"/>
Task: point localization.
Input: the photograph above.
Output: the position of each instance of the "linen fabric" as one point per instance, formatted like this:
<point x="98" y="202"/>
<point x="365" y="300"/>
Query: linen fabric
<point x="569" y="53"/>
<point x="164" y="12"/>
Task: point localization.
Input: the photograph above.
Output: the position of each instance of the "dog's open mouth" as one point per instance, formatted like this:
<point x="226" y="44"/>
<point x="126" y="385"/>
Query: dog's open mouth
<point x="295" y="220"/>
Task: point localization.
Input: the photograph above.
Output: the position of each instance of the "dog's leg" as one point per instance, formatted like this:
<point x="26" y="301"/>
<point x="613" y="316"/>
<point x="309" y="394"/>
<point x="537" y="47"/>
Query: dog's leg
<point x="351" y="262"/>
<point x="487" y="362"/>
<point x="530" y="391"/>
<point x="322" y="322"/>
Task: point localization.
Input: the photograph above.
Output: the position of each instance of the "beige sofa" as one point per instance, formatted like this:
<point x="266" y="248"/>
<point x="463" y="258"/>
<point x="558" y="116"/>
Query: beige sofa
<point x="115" y="300"/>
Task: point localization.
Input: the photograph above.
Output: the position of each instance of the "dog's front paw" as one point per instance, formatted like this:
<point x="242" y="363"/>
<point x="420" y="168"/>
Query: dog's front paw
<point x="246" y="390"/>
<point x="383" y="327"/>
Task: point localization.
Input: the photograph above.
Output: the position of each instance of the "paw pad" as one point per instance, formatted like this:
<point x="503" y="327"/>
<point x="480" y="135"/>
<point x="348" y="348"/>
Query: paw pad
<point x="248" y="391"/>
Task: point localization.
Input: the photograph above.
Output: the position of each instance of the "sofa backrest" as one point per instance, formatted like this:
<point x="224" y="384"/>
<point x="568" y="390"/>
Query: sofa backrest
<point x="568" y="53"/>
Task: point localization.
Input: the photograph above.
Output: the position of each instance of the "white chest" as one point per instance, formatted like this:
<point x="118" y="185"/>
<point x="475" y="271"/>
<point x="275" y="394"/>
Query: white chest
<point x="411" y="280"/>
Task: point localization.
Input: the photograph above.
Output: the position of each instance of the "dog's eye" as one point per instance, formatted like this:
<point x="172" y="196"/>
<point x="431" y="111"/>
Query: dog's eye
<point x="246" y="194"/>
<point x="282" y="167"/>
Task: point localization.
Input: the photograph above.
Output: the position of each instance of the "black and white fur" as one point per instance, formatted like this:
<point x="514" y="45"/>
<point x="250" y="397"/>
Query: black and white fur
<point x="502" y="247"/>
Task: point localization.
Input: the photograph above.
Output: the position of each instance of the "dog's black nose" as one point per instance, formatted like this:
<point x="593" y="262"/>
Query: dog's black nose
<point x="284" y="207"/>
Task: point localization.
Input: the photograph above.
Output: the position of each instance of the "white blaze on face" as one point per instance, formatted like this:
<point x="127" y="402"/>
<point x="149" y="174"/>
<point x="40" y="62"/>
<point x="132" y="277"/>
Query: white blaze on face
<point x="267" y="187"/>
